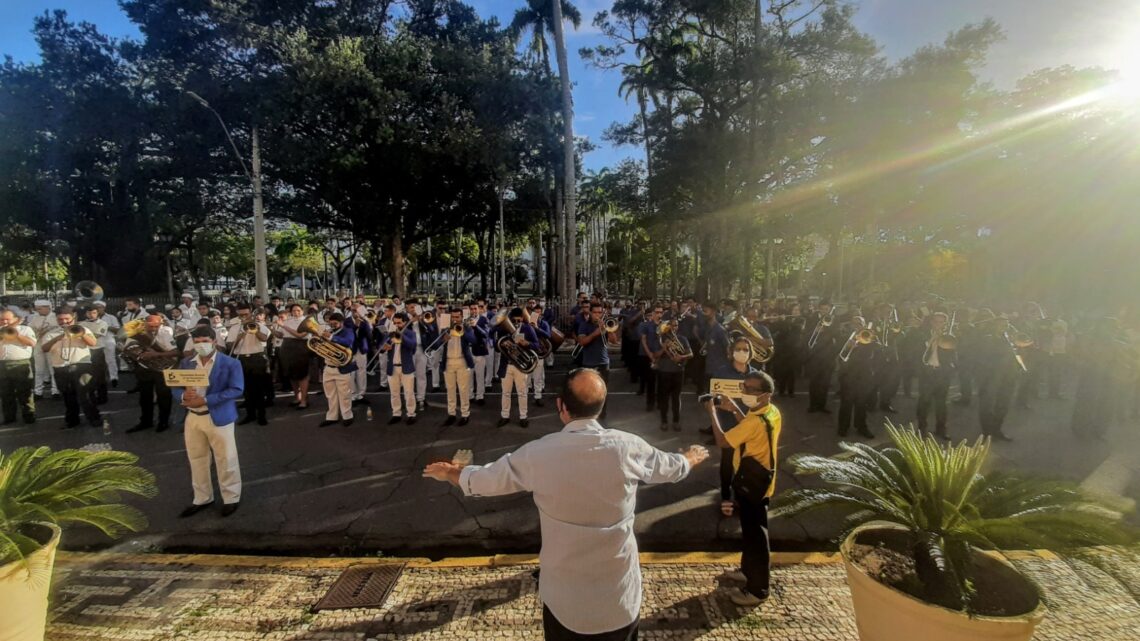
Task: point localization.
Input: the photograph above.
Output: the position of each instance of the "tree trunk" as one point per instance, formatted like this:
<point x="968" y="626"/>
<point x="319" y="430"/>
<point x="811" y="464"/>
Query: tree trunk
<point x="536" y="261"/>
<point x="570" y="183"/>
<point x="399" y="273"/>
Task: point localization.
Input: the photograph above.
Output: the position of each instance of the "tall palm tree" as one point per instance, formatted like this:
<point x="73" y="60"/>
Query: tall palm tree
<point x="540" y="16"/>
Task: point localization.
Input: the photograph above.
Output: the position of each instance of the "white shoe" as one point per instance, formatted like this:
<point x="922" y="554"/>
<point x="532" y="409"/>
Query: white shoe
<point x="735" y="575"/>
<point x="744" y="598"/>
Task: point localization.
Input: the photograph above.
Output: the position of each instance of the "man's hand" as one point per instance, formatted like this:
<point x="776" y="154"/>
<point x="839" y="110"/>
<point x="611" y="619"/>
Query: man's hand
<point x="444" y="471"/>
<point x="727" y="404"/>
<point x="190" y="398"/>
<point x="695" y="454"/>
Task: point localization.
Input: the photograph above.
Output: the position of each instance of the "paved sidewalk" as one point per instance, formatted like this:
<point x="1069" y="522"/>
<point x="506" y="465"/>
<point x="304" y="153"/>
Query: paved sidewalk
<point x="198" y="597"/>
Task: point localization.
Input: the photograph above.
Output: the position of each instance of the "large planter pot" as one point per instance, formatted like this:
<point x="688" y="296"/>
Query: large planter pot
<point x="24" y="587"/>
<point x="883" y="613"/>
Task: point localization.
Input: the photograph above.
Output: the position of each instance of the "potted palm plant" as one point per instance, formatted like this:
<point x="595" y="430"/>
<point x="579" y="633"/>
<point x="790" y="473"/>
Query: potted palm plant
<point x="40" y="490"/>
<point x="922" y="523"/>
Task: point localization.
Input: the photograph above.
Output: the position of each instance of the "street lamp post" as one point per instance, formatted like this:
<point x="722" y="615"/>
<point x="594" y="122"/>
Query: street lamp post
<point x="261" y="272"/>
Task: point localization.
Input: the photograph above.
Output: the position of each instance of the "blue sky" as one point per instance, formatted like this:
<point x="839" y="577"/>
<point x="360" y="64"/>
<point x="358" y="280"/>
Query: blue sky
<point x="1039" y="33"/>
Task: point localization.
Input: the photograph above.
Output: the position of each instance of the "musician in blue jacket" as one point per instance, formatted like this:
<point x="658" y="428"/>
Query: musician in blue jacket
<point x="481" y="351"/>
<point x="514" y="378"/>
<point x="458" y="360"/>
<point x="400" y="344"/>
<point x="542" y="328"/>
<point x="209" y="429"/>
<point x="338" y="380"/>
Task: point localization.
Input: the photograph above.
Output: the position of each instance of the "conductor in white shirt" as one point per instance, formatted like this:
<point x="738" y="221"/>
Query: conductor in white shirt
<point x="584" y="480"/>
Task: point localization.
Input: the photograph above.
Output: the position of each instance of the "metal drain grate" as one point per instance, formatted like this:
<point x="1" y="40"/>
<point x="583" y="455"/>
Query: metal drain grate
<point x="361" y="586"/>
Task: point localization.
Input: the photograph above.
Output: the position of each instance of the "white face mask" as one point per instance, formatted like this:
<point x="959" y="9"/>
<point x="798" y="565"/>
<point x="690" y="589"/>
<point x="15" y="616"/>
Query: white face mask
<point x="741" y="356"/>
<point x="204" y="349"/>
<point x="749" y="400"/>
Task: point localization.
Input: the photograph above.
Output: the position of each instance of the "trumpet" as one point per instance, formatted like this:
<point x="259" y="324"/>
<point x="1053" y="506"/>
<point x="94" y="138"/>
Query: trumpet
<point x="250" y="327"/>
<point x="76" y="330"/>
<point x="428" y="317"/>
<point x="674" y="348"/>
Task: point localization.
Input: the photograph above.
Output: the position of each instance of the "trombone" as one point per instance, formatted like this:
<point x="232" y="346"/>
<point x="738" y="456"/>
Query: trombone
<point x="864" y="336"/>
<point x="824" y="321"/>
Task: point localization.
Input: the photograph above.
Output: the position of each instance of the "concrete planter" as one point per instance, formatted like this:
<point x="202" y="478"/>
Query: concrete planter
<point x="24" y="587"/>
<point x="883" y="613"/>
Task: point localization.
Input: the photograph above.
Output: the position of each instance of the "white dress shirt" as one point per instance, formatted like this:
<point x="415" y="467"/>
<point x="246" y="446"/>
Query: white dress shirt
<point x="41" y="323"/>
<point x="69" y="350"/>
<point x="18" y="351"/>
<point x="247" y="343"/>
<point x="584" y="481"/>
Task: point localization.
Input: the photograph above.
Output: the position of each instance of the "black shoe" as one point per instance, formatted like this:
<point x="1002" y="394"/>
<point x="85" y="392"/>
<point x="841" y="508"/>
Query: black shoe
<point x="411" y="420"/>
<point x="360" y="401"/>
<point x="347" y="422"/>
<point x="39" y="396"/>
<point x="705" y="430"/>
<point x="523" y="422"/>
<point x="395" y="419"/>
<point x="943" y="435"/>
<point x="326" y="423"/>
<point x="55" y="395"/>
<point x="812" y="410"/>
<point x="480" y="402"/>
<point x="649" y="408"/>
<point x="28" y="420"/>
<point x="664" y="427"/>
<point x="161" y="428"/>
<point x="450" y="420"/>
<point x="824" y="410"/>
<point x="842" y="433"/>
<point x="1001" y="437"/>
<point x="502" y="422"/>
<point x="464" y="421"/>
<point x="138" y="428"/>
<point x="676" y="427"/>
<point x="230" y="508"/>
<point x="69" y="426"/>
<point x="9" y="421"/>
<point x="889" y="409"/>
<point x="114" y="382"/>
<point x="538" y="402"/>
<point x="865" y="433"/>
<point x="194" y="509"/>
<point x="249" y="418"/>
<point x="261" y="420"/>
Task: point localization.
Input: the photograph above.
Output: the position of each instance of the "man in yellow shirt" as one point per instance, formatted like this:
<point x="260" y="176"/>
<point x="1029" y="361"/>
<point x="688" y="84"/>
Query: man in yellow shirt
<point x="755" y="436"/>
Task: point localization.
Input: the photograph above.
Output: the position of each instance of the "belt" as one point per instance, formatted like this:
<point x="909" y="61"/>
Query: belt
<point x="262" y="354"/>
<point x="206" y="413"/>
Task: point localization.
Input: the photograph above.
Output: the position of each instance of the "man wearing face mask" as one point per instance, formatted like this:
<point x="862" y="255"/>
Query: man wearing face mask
<point x="210" y="415"/>
<point x="737" y="370"/>
<point x="584" y="482"/>
<point x="755" y="436"/>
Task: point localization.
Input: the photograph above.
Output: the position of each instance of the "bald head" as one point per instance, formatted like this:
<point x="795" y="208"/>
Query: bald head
<point x="583" y="394"/>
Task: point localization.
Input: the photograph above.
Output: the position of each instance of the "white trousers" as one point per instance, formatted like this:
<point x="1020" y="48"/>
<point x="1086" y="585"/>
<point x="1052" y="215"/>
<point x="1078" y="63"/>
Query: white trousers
<point x="489" y="368"/>
<point x="360" y="376"/>
<point x="458" y="383"/>
<point x="397" y="382"/>
<point x="538" y="379"/>
<point x="382" y="367"/>
<point x="109" y="349"/>
<point x="338" y="391"/>
<point x="436" y="367"/>
<point x="206" y="441"/>
<point x="478" y="386"/>
<point x="421" y="362"/>
<point x="495" y="365"/>
<point x="43" y="371"/>
<point x="514" y="380"/>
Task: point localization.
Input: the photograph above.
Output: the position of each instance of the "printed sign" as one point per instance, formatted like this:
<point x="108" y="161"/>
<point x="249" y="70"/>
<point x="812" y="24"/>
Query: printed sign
<point x="727" y="386"/>
<point x="187" y="378"/>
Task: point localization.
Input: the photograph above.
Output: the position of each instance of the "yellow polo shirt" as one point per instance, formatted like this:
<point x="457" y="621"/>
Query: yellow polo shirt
<point x="752" y="433"/>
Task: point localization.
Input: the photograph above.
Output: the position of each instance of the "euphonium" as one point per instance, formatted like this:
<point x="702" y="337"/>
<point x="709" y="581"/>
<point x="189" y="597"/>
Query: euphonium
<point x="667" y="333"/>
<point x="137" y="342"/>
<point x="523" y="358"/>
<point x="738" y="325"/>
<point x="334" y="354"/>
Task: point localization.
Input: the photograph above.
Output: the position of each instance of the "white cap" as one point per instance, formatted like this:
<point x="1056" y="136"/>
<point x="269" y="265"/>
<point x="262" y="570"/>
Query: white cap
<point x="42" y="302"/>
<point x="99" y="303"/>
<point x="149" y="308"/>
<point x="168" y="307"/>
<point x="188" y="295"/>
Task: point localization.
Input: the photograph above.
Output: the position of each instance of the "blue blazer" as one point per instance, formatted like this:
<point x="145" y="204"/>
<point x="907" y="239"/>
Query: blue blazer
<point x="227" y="385"/>
<point x="407" y="351"/>
<point x="532" y="343"/>
<point x="484" y="327"/>
<point x="542" y="329"/>
<point x="346" y="337"/>
<point x="472" y="339"/>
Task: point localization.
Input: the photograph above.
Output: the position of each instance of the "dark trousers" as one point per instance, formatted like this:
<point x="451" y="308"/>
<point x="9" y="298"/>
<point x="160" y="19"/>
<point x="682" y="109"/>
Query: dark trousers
<point x="995" y="392"/>
<point x="967" y="379"/>
<point x="78" y="392"/>
<point x="819" y="381"/>
<point x="152" y="387"/>
<point x="647" y="380"/>
<point x="933" y="385"/>
<point x="16" y="390"/>
<point x="258" y="383"/>
<point x="669" y="395"/>
<point x="886" y="383"/>
<point x="784" y="372"/>
<point x="1030" y="383"/>
<point x="853" y="400"/>
<point x="553" y="630"/>
<point x="726" y="473"/>
<point x="1055" y="369"/>
<point x="604" y="372"/>
<point x="99" y="364"/>
<point x="756" y="553"/>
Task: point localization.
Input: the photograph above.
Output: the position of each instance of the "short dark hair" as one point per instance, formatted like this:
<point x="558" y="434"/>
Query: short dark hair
<point x="400" y="316"/>
<point x="577" y="407"/>
<point x="335" y="316"/>
<point x="243" y="305"/>
<point x="766" y="381"/>
<point x="593" y="305"/>
<point x="202" y="331"/>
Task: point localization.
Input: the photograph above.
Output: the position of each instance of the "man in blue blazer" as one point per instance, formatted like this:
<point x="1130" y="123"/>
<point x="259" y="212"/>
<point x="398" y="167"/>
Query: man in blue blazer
<point x="337" y="380"/>
<point x="210" y="415"/>
<point x="400" y="346"/>
<point x="457" y="360"/>
<point x="513" y="378"/>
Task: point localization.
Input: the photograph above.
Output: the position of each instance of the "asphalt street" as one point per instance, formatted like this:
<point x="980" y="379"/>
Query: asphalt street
<point x="358" y="490"/>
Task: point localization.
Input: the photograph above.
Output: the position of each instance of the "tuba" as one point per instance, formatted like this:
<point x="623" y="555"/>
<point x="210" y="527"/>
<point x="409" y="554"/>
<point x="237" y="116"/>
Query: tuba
<point x="523" y="358"/>
<point x="87" y="291"/>
<point x="334" y="354"/>
<point x="738" y="326"/>
<point x="667" y="333"/>
<point x="137" y="342"/>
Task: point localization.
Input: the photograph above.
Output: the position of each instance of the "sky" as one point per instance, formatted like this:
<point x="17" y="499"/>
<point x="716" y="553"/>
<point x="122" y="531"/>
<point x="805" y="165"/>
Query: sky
<point x="1039" y="33"/>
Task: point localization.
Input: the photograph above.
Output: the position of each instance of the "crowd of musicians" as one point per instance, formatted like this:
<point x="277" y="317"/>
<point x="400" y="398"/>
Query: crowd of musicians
<point x="869" y="354"/>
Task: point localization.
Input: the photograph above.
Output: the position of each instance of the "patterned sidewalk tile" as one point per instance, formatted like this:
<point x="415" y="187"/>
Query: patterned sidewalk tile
<point x="101" y="597"/>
